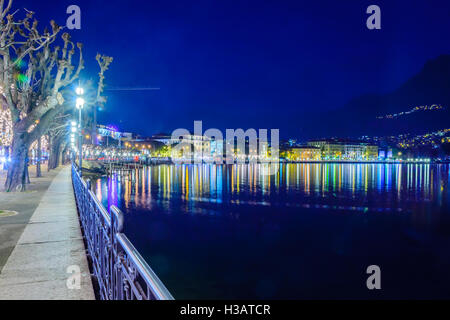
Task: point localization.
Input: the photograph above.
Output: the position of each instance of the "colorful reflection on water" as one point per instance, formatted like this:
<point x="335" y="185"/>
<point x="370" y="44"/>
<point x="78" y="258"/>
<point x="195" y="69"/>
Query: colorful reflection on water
<point x="352" y="183"/>
<point x="190" y="220"/>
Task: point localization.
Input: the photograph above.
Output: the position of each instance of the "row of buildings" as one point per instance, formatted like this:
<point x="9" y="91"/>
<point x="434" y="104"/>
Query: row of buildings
<point x="314" y="150"/>
<point x="363" y="149"/>
<point x="205" y="147"/>
<point x="332" y="150"/>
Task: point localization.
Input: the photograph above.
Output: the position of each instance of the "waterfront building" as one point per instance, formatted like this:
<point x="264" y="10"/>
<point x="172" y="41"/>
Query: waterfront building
<point x="371" y="152"/>
<point x="164" y="138"/>
<point x="304" y="153"/>
<point x="108" y="135"/>
<point x="211" y="149"/>
<point x="196" y="146"/>
<point x="217" y="150"/>
<point x="360" y="151"/>
<point x="329" y="149"/>
<point x="345" y="150"/>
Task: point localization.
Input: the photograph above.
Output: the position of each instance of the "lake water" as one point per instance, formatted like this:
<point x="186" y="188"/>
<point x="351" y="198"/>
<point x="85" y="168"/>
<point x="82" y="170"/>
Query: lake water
<point x="307" y="232"/>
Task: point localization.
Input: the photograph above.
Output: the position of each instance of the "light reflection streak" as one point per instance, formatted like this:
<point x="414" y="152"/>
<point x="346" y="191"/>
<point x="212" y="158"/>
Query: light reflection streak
<point x="247" y="184"/>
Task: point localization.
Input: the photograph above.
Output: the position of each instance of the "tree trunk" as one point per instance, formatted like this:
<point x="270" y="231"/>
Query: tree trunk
<point x="26" y="172"/>
<point x="39" y="157"/>
<point x="16" y="178"/>
<point x="50" y="147"/>
<point x="58" y="155"/>
<point x="65" y="153"/>
<point x="94" y="127"/>
<point x="55" y="151"/>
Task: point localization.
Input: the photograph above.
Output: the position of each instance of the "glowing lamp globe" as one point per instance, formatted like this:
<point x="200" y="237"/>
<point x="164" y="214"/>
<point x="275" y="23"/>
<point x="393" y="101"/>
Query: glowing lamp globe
<point x="79" y="91"/>
<point x="80" y="103"/>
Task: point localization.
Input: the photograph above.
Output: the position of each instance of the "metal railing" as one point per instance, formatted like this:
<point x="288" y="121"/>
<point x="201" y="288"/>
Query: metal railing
<point x="121" y="272"/>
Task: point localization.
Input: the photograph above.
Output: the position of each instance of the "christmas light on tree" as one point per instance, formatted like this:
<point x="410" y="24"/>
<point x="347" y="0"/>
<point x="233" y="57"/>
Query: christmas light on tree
<point x="5" y="127"/>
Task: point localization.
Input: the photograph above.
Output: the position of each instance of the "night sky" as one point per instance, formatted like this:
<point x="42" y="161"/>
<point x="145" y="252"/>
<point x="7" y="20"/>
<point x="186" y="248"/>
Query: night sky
<point x="248" y="64"/>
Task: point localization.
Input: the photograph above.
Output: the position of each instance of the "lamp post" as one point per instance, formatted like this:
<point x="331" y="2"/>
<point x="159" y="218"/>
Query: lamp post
<point x="73" y="130"/>
<point x="80" y="104"/>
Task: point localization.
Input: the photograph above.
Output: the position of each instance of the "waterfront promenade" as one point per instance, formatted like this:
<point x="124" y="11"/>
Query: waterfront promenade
<point x="51" y="242"/>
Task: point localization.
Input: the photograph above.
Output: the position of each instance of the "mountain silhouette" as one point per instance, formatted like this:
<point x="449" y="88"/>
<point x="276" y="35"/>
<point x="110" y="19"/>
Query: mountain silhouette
<point x="431" y="86"/>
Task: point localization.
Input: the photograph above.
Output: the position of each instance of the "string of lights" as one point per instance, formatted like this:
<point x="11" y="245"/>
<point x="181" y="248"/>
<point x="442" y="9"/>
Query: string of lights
<point x="6" y="133"/>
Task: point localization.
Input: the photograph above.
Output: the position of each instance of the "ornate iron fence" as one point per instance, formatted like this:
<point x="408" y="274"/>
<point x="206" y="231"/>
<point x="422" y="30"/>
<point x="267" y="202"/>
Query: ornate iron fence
<point x="121" y="272"/>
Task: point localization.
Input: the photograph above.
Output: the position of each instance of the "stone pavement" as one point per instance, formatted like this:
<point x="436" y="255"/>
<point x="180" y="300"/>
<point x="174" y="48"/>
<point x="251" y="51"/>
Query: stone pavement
<point x="24" y="203"/>
<point x="50" y="247"/>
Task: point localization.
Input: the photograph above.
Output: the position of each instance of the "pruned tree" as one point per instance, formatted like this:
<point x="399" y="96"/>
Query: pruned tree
<point x="57" y="131"/>
<point x="33" y="73"/>
<point x="57" y="136"/>
<point x="103" y="62"/>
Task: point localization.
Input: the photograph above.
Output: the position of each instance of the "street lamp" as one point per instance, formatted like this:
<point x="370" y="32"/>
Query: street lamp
<point x="73" y="130"/>
<point x="79" y="105"/>
<point x="79" y="91"/>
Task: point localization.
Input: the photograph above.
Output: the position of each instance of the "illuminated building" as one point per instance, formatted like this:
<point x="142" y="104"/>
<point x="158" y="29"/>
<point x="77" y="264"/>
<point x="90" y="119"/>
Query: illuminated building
<point x="196" y="146"/>
<point x="345" y="150"/>
<point x="106" y="132"/>
<point x="164" y="138"/>
<point x="217" y="148"/>
<point x="371" y="152"/>
<point x="329" y="149"/>
<point x="304" y="153"/>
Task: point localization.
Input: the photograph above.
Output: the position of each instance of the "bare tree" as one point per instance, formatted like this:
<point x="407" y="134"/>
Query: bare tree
<point x="58" y="128"/>
<point x="57" y="135"/>
<point x="33" y="97"/>
<point x="103" y="62"/>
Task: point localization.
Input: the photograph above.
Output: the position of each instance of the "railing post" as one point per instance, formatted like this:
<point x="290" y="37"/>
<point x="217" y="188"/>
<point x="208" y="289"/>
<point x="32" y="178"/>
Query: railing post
<point x="116" y="227"/>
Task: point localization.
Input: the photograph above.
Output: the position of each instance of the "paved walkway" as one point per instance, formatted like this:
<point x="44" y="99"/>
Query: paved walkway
<point x="24" y="203"/>
<point x="37" y="268"/>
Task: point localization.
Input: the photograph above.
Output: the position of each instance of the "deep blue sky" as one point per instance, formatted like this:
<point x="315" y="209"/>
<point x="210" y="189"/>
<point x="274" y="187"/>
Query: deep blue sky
<point x="249" y="64"/>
